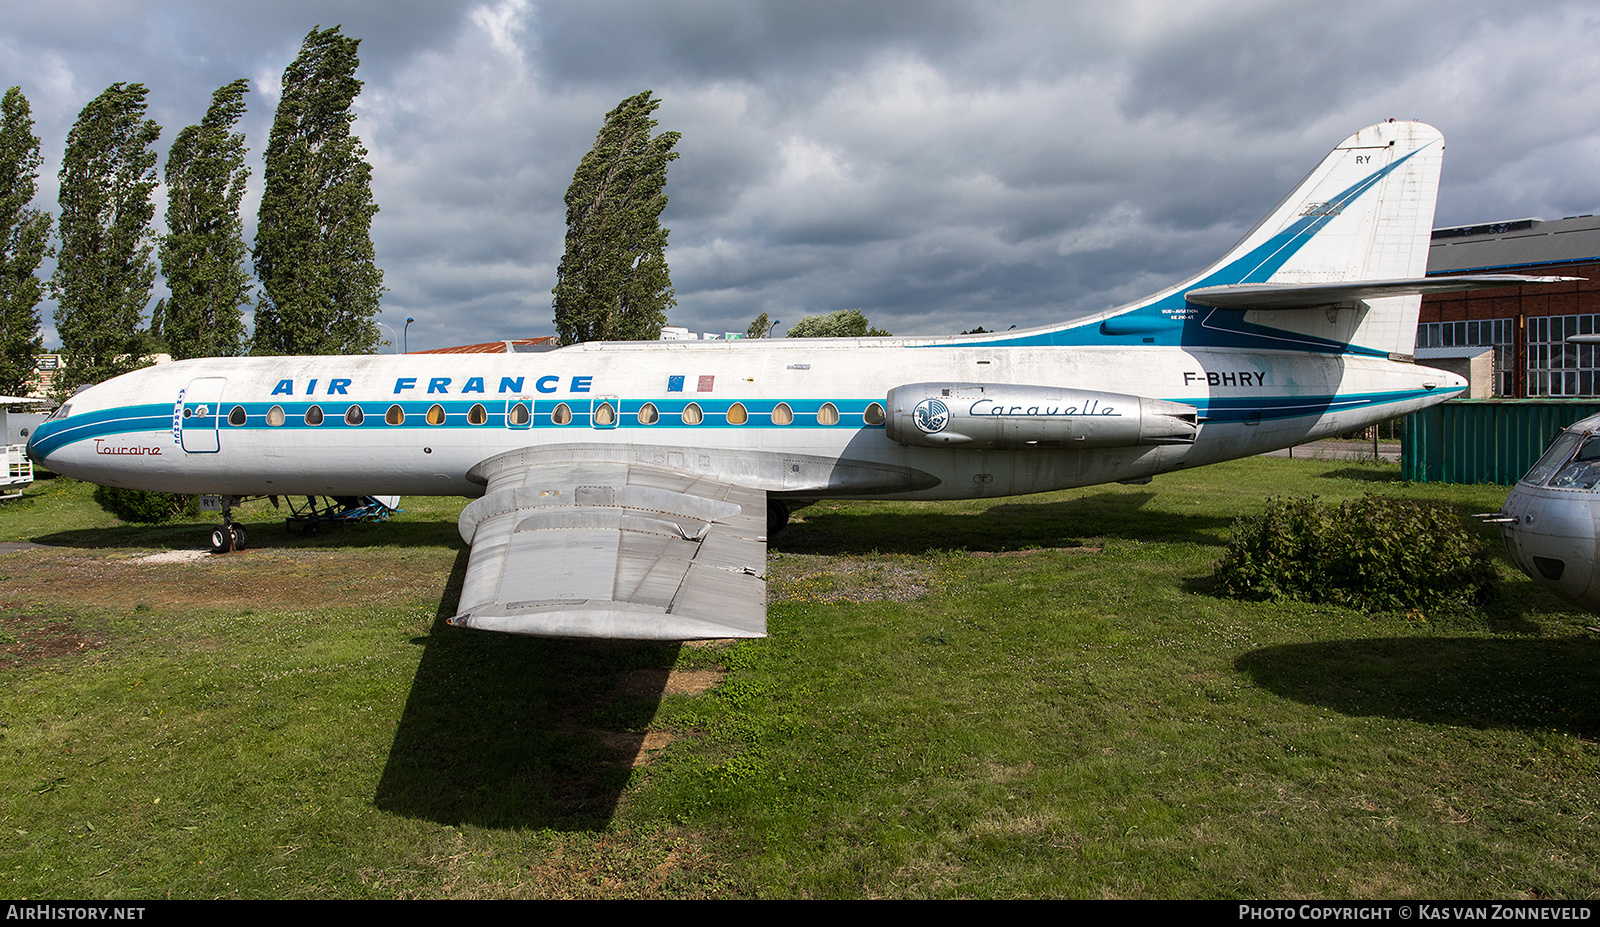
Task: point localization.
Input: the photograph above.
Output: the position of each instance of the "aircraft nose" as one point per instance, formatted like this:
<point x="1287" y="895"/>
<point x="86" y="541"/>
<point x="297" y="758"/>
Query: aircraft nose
<point x="1553" y="541"/>
<point x="34" y="451"/>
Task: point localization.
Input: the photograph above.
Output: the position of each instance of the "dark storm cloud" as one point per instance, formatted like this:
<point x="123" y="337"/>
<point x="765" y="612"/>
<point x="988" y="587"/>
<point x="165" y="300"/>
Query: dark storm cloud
<point x="793" y="48"/>
<point x="940" y="165"/>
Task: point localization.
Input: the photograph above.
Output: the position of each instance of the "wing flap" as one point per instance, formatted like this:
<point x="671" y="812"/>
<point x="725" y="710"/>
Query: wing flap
<point x="614" y="550"/>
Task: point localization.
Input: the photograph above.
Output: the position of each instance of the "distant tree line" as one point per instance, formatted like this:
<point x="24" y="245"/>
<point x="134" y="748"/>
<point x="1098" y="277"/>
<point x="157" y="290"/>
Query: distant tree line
<point x="313" y="253"/>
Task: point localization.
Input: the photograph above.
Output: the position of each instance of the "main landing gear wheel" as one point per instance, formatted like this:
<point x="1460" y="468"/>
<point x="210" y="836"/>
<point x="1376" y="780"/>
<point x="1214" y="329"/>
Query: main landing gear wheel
<point x="226" y="538"/>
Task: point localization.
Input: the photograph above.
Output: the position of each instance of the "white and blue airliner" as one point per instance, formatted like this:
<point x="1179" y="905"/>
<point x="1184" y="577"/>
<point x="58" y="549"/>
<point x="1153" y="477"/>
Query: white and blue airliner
<point x="626" y="490"/>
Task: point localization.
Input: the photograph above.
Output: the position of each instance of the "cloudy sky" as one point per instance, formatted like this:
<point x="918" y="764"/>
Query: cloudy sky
<point x="940" y="165"/>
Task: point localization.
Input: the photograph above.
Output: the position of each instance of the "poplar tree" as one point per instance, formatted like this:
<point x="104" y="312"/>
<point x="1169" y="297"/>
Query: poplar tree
<point x="313" y="249"/>
<point x="104" y="269"/>
<point x="24" y="241"/>
<point x="760" y="328"/>
<point x="613" y="283"/>
<point x="203" y="251"/>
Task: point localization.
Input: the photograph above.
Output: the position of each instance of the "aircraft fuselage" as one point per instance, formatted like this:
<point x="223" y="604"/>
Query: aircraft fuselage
<point x="284" y="425"/>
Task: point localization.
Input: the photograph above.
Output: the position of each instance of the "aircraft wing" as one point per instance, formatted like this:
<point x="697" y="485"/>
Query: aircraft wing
<point x="1315" y="295"/>
<point x="613" y="549"/>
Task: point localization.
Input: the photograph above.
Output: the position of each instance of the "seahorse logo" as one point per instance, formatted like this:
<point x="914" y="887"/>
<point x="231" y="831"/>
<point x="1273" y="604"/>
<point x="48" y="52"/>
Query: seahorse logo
<point x="931" y="416"/>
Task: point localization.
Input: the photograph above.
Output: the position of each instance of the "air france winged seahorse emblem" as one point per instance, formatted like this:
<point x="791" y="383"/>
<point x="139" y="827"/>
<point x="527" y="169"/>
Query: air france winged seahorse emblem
<point x="931" y="416"/>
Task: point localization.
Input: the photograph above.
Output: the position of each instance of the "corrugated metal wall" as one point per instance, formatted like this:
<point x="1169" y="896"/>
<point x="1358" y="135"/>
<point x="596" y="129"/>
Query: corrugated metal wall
<point x="1484" y="440"/>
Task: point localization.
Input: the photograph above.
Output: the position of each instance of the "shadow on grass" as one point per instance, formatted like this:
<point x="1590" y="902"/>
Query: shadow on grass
<point x="505" y="731"/>
<point x="264" y="534"/>
<point x="1006" y="526"/>
<point x="1367" y="474"/>
<point x="1547" y="685"/>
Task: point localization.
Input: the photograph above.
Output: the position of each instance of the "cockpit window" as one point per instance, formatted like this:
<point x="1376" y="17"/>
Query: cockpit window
<point x="62" y="412"/>
<point x="1559" y="451"/>
<point x="1582" y="471"/>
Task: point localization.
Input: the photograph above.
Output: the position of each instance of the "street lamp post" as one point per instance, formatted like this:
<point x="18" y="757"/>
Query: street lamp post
<point x="390" y="328"/>
<point x="406" y="340"/>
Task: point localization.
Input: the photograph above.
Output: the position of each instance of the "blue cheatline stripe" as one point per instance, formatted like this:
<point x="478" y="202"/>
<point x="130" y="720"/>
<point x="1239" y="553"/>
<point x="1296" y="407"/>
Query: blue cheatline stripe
<point x="1239" y="410"/>
<point x="1172" y="321"/>
<point x="51" y="435"/>
<point x="54" y="435"/>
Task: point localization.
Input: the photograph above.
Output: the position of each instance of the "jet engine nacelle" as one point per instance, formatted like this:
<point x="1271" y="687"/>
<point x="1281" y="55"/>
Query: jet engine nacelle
<point x="1005" y="416"/>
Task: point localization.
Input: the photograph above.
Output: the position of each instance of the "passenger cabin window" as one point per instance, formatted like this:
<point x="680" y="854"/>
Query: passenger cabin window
<point x="828" y="414"/>
<point x="737" y="414"/>
<point x="782" y="414"/>
<point x="477" y="415"/>
<point x="648" y="414"/>
<point x="873" y="415"/>
<point x="395" y="415"/>
<point x="517" y="416"/>
<point x="275" y="416"/>
<point x="561" y="415"/>
<point x="237" y="416"/>
<point x="692" y="414"/>
<point x="353" y="415"/>
<point x="605" y="414"/>
<point x="436" y="414"/>
<point x="314" y="415"/>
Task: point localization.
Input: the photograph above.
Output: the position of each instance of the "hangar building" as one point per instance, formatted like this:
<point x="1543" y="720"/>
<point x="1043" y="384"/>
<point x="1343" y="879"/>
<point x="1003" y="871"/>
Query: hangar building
<point x="1523" y="329"/>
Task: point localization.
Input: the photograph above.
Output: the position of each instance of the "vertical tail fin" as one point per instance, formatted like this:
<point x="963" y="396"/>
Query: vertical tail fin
<point x="1365" y="213"/>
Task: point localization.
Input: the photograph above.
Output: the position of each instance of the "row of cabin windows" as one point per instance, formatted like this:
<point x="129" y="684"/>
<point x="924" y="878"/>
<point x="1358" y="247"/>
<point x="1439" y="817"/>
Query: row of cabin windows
<point x="604" y="415"/>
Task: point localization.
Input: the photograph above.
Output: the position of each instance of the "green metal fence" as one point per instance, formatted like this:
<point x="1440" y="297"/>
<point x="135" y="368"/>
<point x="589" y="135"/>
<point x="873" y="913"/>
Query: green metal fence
<point x="1484" y="440"/>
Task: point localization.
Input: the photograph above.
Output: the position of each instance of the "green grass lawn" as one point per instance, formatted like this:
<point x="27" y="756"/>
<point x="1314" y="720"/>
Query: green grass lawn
<point x="1012" y="698"/>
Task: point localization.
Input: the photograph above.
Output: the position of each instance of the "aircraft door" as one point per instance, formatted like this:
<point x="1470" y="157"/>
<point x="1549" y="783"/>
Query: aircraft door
<point x="198" y="413"/>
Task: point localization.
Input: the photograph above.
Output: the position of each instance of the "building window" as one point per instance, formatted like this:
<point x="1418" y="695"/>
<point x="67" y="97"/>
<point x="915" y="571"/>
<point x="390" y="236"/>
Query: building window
<point x="1556" y="368"/>
<point x="1490" y="333"/>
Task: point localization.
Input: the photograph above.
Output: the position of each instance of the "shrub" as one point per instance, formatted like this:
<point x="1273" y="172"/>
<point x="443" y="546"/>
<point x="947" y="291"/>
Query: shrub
<point x="1377" y="553"/>
<point x="137" y="505"/>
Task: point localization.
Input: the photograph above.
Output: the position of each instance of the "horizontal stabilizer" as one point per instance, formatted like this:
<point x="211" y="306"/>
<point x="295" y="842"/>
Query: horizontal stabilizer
<point x="1317" y="295"/>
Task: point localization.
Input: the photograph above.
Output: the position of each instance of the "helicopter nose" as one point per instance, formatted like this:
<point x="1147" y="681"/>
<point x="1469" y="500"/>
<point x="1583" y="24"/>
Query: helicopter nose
<point x="1553" y="540"/>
